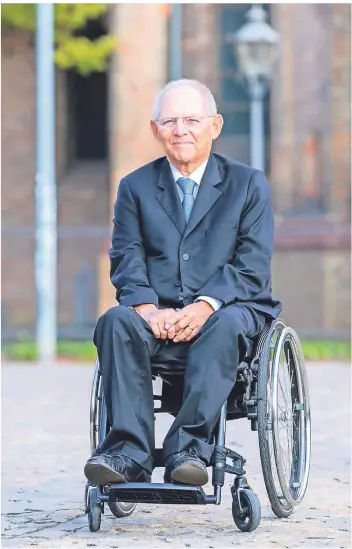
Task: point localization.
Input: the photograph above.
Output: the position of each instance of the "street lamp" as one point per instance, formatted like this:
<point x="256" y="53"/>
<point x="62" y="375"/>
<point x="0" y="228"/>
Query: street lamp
<point x="256" y="48"/>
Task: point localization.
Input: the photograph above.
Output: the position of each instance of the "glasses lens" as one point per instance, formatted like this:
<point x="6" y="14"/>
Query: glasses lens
<point x="191" y="121"/>
<point x="167" y="122"/>
<point x="187" y="120"/>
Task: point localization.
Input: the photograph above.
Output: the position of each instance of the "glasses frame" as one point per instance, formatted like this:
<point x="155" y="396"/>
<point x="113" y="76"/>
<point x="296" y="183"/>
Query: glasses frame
<point x="176" y="118"/>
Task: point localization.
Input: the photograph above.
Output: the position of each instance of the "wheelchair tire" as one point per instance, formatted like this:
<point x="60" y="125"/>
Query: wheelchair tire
<point x="94" y="511"/>
<point x="99" y="428"/>
<point x="249" y="519"/>
<point x="120" y="509"/>
<point x="86" y="503"/>
<point x="285" y="485"/>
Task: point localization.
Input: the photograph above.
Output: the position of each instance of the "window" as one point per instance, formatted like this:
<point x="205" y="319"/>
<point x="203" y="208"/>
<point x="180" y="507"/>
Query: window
<point x="232" y="97"/>
<point x="87" y="105"/>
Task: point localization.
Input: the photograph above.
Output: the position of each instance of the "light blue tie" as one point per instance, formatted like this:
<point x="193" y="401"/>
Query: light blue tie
<point x="187" y="185"/>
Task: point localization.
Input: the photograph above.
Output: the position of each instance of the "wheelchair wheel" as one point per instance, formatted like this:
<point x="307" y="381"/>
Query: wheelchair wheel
<point x="86" y="502"/>
<point x="247" y="517"/>
<point x="284" y="426"/>
<point x="120" y="509"/>
<point x="99" y="428"/>
<point x="94" y="510"/>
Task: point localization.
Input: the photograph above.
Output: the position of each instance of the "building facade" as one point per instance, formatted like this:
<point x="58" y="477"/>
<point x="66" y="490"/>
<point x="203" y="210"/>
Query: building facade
<point x="102" y="133"/>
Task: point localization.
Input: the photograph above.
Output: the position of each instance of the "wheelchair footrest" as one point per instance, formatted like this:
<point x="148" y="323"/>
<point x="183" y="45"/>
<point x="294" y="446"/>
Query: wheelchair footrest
<point x="133" y="492"/>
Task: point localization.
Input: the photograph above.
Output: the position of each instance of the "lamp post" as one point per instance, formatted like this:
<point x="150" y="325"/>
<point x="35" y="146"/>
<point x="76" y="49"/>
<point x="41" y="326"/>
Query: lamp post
<point x="256" y="48"/>
<point x="175" y="49"/>
<point x="45" y="189"/>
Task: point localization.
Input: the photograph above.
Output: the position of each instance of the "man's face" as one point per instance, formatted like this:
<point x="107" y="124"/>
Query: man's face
<point x="189" y="140"/>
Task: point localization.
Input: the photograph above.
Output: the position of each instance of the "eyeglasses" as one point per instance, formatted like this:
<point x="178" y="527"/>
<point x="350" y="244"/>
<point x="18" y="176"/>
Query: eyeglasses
<point x="189" y="121"/>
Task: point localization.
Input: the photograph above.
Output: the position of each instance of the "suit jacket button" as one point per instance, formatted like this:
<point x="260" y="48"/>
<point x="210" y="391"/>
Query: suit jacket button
<point x="185" y="257"/>
<point x="177" y="282"/>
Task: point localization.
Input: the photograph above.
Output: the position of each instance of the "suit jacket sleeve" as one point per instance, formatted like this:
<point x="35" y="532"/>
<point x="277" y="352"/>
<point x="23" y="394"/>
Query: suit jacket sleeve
<point x="248" y="276"/>
<point x="128" y="270"/>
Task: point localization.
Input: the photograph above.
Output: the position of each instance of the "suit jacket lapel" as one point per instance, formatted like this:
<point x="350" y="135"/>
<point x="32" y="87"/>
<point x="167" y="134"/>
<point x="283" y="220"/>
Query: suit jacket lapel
<point x="207" y="195"/>
<point x="169" y="198"/>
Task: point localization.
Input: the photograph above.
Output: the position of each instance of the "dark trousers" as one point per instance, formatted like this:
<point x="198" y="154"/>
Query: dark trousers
<point x="127" y="348"/>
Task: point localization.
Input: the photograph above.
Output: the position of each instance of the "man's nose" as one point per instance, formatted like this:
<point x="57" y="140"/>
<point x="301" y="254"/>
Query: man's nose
<point x="180" y="127"/>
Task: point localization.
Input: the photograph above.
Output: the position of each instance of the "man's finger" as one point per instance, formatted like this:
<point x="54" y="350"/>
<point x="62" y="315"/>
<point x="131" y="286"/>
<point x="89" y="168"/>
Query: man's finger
<point x="171" y="332"/>
<point x="177" y="328"/>
<point x="162" y="330"/>
<point x="159" y="322"/>
<point x="184" y="322"/>
<point x="193" y="334"/>
<point x="170" y="320"/>
<point x="180" y="314"/>
<point x="155" y="327"/>
<point x="183" y="334"/>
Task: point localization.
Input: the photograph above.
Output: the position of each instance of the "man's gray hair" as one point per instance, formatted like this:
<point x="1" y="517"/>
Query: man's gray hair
<point x="185" y="83"/>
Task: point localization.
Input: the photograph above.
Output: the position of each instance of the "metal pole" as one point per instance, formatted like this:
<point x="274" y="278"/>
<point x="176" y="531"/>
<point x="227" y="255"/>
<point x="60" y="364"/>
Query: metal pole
<point x="175" y="49"/>
<point x="257" y="144"/>
<point x="45" y="190"/>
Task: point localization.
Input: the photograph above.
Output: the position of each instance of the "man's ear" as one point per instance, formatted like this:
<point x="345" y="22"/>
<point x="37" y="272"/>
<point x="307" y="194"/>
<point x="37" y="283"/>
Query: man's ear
<point x="218" y="123"/>
<point x="154" y="129"/>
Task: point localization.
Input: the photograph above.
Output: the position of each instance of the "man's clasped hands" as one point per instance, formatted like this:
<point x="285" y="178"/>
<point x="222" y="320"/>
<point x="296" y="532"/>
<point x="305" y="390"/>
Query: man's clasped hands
<point x="180" y="325"/>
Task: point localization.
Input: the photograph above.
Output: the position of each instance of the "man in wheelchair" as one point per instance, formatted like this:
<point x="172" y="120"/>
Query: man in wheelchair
<point x="191" y="257"/>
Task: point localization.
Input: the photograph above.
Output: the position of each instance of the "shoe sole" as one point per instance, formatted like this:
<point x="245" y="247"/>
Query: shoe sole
<point x="190" y="473"/>
<point x="102" y="475"/>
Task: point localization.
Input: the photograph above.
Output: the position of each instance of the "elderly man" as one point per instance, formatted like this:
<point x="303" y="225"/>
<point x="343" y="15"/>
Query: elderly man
<point x="191" y="261"/>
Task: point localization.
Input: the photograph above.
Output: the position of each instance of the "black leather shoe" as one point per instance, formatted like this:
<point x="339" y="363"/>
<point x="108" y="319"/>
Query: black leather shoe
<point x="105" y="469"/>
<point x="186" y="468"/>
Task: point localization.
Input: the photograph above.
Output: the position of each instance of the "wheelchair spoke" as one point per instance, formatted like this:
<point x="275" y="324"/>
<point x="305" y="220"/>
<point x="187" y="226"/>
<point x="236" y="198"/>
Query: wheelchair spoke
<point x="286" y="389"/>
<point x="282" y="392"/>
<point x="285" y="414"/>
<point x="288" y="440"/>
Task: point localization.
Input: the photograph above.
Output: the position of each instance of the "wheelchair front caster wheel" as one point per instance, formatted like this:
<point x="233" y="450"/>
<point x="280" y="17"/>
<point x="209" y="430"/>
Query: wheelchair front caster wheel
<point x="94" y="510"/>
<point x="246" y="510"/>
<point x="86" y="502"/>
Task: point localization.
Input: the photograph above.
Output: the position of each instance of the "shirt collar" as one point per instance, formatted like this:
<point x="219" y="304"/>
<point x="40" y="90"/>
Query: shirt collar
<point x="196" y="175"/>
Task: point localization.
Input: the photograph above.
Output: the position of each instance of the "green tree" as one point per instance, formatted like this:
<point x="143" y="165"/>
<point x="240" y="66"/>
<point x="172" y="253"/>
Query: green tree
<point x="71" y="51"/>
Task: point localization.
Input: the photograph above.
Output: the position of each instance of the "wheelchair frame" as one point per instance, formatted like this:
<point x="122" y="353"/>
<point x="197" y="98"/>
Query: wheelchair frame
<point x="255" y="396"/>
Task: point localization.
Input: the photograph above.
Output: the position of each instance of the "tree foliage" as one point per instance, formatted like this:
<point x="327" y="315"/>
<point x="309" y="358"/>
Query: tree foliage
<point x="71" y="50"/>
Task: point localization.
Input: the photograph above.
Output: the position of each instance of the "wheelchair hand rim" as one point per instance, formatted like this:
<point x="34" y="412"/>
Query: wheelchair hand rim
<point x="293" y="494"/>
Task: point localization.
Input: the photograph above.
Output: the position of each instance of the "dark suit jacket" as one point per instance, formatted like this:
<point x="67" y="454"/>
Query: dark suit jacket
<point x="224" y="251"/>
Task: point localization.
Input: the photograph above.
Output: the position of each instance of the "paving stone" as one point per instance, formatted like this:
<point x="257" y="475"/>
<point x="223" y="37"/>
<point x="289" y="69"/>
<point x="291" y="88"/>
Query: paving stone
<point x="45" y="440"/>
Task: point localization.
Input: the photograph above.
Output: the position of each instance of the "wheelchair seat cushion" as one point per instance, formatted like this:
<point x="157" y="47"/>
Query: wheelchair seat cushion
<point x="171" y="358"/>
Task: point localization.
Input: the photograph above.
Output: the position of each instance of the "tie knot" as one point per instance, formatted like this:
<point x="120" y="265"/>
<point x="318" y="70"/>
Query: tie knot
<point x="187" y="185"/>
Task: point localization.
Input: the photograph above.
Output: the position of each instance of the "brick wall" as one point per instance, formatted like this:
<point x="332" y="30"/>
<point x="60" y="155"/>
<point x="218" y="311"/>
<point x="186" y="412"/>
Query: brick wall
<point x="314" y="287"/>
<point x="18" y="174"/>
<point x="340" y="138"/>
<point x="310" y="165"/>
<point x="310" y="109"/>
<point x="310" y="136"/>
<point x="301" y="104"/>
<point x="138" y="72"/>
<point x="82" y="201"/>
<point x="199" y="43"/>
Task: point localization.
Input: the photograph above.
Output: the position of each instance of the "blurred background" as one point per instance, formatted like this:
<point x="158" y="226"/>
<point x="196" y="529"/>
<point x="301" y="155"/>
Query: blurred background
<point x="110" y="61"/>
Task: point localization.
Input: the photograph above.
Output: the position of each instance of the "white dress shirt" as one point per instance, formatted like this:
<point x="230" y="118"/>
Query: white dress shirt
<point x="196" y="176"/>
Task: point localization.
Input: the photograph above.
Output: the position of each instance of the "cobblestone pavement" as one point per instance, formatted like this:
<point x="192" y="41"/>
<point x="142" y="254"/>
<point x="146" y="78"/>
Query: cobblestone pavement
<point x="45" y="438"/>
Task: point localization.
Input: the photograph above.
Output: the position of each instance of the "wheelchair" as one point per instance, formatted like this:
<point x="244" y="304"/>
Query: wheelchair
<point x="272" y="392"/>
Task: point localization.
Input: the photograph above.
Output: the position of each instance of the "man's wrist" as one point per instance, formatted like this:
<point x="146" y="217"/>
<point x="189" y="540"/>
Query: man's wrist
<point x="145" y="307"/>
<point x="216" y="304"/>
<point x="206" y="305"/>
